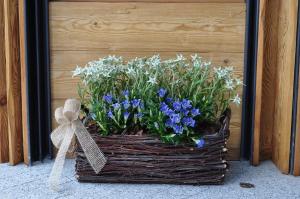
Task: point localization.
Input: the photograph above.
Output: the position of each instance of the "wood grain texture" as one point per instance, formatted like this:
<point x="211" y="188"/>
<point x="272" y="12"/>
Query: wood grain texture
<point x="81" y="32"/>
<point x="287" y="25"/>
<point x="13" y="79"/>
<point x="3" y="97"/>
<point x="125" y="26"/>
<point x="269" y="78"/>
<point x="21" y="4"/>
<point x="259" y="77"/>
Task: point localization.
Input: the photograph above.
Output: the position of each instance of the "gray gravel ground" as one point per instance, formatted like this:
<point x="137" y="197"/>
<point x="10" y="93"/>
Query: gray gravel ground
<point x="31" y="182"/>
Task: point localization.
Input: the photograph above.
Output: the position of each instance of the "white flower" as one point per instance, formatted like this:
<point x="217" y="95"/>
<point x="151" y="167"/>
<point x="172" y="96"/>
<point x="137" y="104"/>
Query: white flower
<point x="180" y="57"/>
<point x="220" y="72"/>
<point x="238" y="82"/>
<point x="77" y="71"/>
<point x="152" y="80"/>
<point x="130" y="71"/>
<point x="229" y="84"/>
<point x="236" y="99"/>
<point x="153" y="61"/>
<point x="195" y="57"/>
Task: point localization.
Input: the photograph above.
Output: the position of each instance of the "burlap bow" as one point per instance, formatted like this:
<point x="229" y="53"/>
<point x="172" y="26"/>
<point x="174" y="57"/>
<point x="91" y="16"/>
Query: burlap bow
<point x="61" y="137"/>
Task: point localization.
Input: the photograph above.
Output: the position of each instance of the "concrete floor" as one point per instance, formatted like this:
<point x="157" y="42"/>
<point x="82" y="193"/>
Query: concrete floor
<point x="31" y="182"/>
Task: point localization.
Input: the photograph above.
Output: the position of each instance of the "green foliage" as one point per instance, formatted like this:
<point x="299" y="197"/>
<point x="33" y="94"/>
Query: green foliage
<point x="153" y="82"/>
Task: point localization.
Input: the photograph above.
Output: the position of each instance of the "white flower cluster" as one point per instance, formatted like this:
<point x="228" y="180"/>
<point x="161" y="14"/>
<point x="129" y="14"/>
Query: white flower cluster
<point x="99" y="68"/>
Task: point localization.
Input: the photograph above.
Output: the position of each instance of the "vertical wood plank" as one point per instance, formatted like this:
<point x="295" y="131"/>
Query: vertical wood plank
<point x="269" y="78"/>
<point x="21" y="4"/>
<point x="3" y="104"/>
<point x="13" y="79"/>
<point x="259" y="77"/>
<point x="287" y="25"/>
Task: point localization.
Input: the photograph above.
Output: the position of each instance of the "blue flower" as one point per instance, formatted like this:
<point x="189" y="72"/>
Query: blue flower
<point x="126" y="115"/>
<point x="108" y="98"/>
<point x="175" y="118"/>
<point x="135" y="103"/>
<point x="195" y="112"/>
<point x="116" y="106"/>
<point x="110" y="114"/>
<point x="177" y="105"/>
<point x="169" y="123"/>
<point x="161" y="92"/>
<point x="178" y="129"/>
<point x="185" y="112"/>
<point x="169" y="100"/>
<point x="200" y="143"/>
<point x="139" y="115"/>
<point x="186" y="104"/>
<point x="164" y="107"/>
<point x="187" y="121"/>
<point x="125" y="93"/>
<point x="126" y="104"/>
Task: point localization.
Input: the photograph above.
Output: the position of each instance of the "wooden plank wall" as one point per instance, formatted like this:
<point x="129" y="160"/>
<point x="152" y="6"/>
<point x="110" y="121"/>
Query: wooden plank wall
<point x="13" y="81"/>
<point x="3" y="104"/>
<point x="277" y="58"/>
<point x="84" y="31"/>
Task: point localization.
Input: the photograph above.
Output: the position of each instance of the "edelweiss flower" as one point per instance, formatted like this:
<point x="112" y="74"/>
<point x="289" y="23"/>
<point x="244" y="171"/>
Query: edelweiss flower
<point x="77" y="71"/>
<point x="130" y="71"/>
<point x="180" y="57"/>
<point x="229" y="84"/>
<point x="236" y="99"/>
<point x="238" y="82"/>
<point x="152" y="80"/>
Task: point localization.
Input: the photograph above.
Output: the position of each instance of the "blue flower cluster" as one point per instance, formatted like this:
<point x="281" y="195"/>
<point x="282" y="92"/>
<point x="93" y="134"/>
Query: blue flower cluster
<point x="134" y="105"/>
<point x="180" y="114"/>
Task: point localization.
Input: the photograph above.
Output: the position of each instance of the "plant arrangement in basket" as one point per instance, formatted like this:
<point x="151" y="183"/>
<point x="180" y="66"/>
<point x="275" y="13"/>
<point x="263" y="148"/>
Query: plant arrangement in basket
<point x="170" y="98"/>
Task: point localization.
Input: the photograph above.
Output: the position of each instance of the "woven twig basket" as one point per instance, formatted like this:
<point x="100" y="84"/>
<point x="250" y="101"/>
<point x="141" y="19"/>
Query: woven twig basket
<point x="145" y="159"/>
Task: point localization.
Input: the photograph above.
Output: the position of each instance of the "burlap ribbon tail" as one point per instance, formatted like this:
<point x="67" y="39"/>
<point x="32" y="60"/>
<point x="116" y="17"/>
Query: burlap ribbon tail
<point x="69" y="124"/>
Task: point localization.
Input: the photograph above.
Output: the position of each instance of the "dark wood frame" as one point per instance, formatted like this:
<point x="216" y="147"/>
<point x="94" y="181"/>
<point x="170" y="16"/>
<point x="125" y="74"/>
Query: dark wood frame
<point x="39" y="88"/>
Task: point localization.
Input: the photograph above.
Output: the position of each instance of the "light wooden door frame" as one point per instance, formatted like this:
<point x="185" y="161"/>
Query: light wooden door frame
<point x="275" y="80"/>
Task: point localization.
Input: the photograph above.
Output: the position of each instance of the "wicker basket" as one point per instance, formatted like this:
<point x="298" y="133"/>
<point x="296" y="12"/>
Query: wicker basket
<point x="145" y="159"/>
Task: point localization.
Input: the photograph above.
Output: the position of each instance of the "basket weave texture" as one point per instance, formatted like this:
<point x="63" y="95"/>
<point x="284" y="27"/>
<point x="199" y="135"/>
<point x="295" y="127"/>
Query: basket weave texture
<point x="146" y="159"/>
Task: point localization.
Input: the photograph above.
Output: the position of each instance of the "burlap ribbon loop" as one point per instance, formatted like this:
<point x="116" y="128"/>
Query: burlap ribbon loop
<point x="61" y="137"/>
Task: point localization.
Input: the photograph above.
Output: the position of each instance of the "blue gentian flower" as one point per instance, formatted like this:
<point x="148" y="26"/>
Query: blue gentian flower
<point x="177" y="105"/>
<point x="108" y="98"/>
<point x="126" y="104"/>
<point x="126" y="115"/>
<point x="169" y="112"/>
<point x="169" y="100"/>
<point x="135" y="103"/>
<point x="138" y="115"/>
<point x="185" y="112"/>
<point x="164" y="107"/>
<point x="169" y="123"/>
<point x="195" y="112"/>
<point x="116" y="106"/>
<point x="200" y="143"/>
<point x="161" y="92"/>
<point x="175" y="118"/>
<point x="188" y="121"/>
<point x="110" y="114"/>
<point x="125" y="93"/>
<point x="178" y="129"/>
<point x="186" y="104"/>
